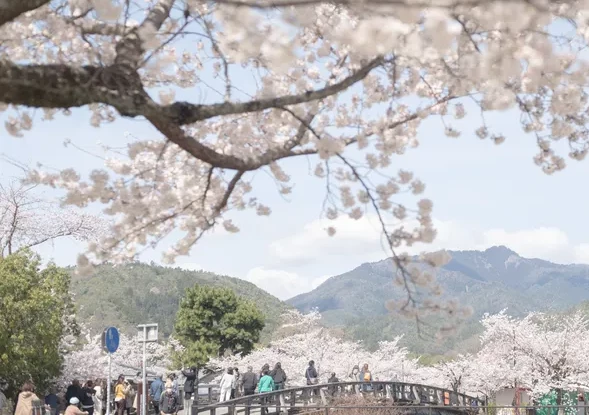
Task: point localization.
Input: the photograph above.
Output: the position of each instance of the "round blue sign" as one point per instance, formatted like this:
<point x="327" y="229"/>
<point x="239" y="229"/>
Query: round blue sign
<point x="110" y="339"/>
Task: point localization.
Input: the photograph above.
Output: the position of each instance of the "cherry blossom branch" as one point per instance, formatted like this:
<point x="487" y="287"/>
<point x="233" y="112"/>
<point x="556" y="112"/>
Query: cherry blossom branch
<point x="186" y="113"/>
<point x="23" y="226"/>
<point x="442" y="4"/>
<point x="130" y="49"/>
<point x="61" y="86"/>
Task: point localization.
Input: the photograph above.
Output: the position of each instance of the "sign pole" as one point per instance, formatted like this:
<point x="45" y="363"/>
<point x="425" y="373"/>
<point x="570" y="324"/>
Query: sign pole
<point x="108" y="397"/>
<point x="110" y="344"/>
<point x="144" y="399"/>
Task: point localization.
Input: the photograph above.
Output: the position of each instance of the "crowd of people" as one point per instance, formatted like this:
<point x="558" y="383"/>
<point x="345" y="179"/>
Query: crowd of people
<point x="90" y="398"/>
<point x="233" y="384"/>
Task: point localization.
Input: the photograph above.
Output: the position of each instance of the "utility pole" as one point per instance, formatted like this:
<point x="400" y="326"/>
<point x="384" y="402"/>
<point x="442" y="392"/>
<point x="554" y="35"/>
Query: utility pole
<point x="146" y="333"/>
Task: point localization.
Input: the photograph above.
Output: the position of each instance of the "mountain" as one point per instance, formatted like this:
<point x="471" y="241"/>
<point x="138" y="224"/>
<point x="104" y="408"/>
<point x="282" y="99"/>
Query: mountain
<point x="128" y="295"/>
<point x="488" y="281"/>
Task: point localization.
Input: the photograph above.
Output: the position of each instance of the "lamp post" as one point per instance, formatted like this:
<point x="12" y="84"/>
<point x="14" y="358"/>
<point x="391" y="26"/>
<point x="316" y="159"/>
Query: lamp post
<point x="146" y="333"/>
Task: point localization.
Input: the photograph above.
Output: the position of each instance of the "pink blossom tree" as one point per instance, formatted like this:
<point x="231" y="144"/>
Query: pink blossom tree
<point x="346" y="84"/>
<point x="543" y="352"/>
<point x="89" y="361"/>
<point x="28" y="220"/>
<point x="307" y="340"/>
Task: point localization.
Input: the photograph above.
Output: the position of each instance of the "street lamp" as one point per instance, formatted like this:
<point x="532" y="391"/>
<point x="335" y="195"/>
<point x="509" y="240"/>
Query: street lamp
<point x="146" y="333"/>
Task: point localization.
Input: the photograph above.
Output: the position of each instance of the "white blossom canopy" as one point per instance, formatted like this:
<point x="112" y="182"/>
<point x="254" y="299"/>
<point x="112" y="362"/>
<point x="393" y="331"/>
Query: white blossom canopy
<point x="347" y="82"/>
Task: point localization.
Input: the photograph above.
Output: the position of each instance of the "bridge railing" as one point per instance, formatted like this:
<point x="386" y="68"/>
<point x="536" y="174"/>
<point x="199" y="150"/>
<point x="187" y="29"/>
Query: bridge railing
<point x="323" y="394"/>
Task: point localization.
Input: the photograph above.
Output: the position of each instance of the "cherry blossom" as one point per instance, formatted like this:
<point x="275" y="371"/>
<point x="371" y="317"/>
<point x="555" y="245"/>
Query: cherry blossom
<point x="346" y="84"/>
<point x="27" y="220"/>
<point x="90" y="361"/>
<point x="303" y="339"/>
<point x="543" y="352"/>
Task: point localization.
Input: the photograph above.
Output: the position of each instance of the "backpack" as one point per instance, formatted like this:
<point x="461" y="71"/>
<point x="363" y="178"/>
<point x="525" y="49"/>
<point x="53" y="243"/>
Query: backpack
<point x="311" y="380"/>
<point x="169" y="403"/>
<point x="367" y="377"/>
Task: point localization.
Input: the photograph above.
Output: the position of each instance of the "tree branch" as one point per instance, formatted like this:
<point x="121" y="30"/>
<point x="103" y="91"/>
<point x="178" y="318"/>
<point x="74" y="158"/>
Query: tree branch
<point x="62" y="86"/>
<point x="130" y="48"/>
<point x="11" y="9"/>
<point x="185" y="113"/>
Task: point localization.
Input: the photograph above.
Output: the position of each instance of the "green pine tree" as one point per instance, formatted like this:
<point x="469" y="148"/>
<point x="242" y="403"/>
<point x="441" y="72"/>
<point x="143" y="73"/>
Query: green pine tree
<point x="214" y="321"/>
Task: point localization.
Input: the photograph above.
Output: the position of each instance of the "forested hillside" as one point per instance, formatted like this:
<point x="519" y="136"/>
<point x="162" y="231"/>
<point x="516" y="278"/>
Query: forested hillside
<point x="138" y="293"/>
<point x="488" y="281"/>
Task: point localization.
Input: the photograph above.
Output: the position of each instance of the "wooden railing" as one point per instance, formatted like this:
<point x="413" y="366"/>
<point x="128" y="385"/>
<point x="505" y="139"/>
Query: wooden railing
<point x="323" y="394"/>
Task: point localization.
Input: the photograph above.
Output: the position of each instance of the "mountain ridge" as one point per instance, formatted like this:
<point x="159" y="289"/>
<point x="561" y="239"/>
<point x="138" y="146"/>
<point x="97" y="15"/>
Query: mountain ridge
<point x="136" y="292"/>
<point x="489" y="281"/>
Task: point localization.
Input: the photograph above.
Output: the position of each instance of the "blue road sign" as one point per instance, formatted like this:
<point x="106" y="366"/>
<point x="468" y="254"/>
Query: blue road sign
<point x="110" y="339"/>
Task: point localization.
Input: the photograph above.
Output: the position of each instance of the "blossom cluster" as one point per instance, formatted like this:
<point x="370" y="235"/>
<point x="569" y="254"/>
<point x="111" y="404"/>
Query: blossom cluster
<point x="346" y="84"/>
<point x="538" y="352"/>
<point x="84" y="358"/>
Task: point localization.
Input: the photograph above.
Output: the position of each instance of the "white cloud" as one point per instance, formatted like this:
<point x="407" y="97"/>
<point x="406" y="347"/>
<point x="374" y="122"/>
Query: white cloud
<point x="294" y="262"/>
<point x="361" y="240"/>
<point x="283" y="284"/>
<point x="353" y="237"/>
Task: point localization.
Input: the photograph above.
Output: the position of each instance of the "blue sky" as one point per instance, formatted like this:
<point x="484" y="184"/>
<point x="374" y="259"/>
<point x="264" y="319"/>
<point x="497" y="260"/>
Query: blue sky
<point x="483" y="195"/>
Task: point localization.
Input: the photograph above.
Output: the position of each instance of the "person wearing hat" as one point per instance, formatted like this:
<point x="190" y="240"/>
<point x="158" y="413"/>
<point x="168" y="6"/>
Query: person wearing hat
<point x="73" y="408"/>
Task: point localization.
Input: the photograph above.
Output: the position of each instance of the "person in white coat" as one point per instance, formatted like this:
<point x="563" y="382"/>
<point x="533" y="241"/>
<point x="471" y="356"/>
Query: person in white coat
<point x="99" y="397"/>
<point x="226" y="384"/>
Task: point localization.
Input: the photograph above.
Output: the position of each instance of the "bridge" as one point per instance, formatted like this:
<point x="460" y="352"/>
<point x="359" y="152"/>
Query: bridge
<point x="330" y="397"/>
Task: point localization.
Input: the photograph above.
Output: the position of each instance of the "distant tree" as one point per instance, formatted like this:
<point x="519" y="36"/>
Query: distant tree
<point x="302" y="338"/>
<point x="213" y="322"/>
<point x="89" y="361"/>
<point x="36" y="313"/>
<point x="27" y="220"/>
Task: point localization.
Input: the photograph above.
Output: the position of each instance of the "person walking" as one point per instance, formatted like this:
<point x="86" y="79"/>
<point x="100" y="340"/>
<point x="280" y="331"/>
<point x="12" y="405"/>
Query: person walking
<point x="236" y="383"/>
<point x="120" y="395"/>
<point x="312" y="378"/>
<point x="100" y="396"/>
<point x="266" y="385"/>
<point x="366" y="378"/>
<point x="332" y="389"/>
<point x="265" y="367"/>
<point x="73" y="408"/>
<point x="168" y="401"/>
<point x="24" y="404"/>
<point x="190" y="376"/>
<point x="130" y="394"/>
<point x="225" y="385"/>
<point x="249" y="381"/>
<point x="155" y="392"/>
<point x="278" y="376"/>
<point x="74" y="391"/>
<point x="51" y="401"/>
<point x="355" y="377"/>
<point x="87" y="401"/>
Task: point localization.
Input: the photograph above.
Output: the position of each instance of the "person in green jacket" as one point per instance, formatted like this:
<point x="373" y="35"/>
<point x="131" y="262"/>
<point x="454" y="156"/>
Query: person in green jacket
<point x="266" y="385"/>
